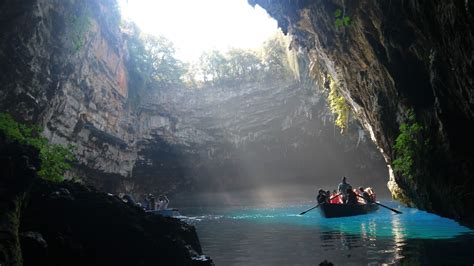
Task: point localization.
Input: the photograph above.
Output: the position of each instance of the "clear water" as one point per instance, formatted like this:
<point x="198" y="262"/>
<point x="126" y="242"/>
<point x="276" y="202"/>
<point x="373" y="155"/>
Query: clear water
<point x="279" y="236"/>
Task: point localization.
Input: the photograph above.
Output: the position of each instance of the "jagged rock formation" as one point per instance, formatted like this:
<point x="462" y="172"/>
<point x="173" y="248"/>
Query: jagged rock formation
<point x="19" y="164"/>
<point x="69" y="224"/>
<point x="261" y="134"/>
<point x="44" y="223"/>
<point x="64" y="66"/>
<point x="394" y="57"/>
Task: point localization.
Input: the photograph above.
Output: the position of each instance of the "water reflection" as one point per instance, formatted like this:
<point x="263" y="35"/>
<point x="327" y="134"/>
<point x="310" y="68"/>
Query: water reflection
<point x="278" y="236"/>
<point x="398" y="237"/>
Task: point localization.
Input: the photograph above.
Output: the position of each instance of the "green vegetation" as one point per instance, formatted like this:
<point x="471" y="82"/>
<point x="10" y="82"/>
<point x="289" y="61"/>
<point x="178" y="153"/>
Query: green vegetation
<point x="338" y="106"/>
<point x="270" y="62"/>
<point x="152" y="61"/>
<point x="54" y="158"/>
<point x="153" y="65"/>
<point x="341" y="20"/>
<point x="409" y="147"/>
<point x="80" y="25"/>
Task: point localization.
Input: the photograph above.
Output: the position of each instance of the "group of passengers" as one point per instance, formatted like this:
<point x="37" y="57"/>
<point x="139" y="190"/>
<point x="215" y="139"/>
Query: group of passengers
<point x="345" y="194"/>
<point x="149" y="202"/>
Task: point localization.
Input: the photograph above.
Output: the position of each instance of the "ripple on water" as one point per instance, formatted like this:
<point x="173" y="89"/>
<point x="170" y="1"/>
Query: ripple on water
<point x="279" y="236"/>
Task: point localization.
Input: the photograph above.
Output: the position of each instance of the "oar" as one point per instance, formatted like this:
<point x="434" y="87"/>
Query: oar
<point x="335" y="196"/>
<point x="380" y="204"/>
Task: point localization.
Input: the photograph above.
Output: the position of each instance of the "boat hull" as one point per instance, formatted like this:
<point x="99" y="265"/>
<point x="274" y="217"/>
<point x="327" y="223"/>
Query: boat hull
<point x="342" y="210"/>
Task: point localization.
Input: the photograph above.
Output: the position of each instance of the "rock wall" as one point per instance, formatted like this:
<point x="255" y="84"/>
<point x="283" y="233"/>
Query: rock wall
<point x="45" y="223"/>
<point x="64" y="66"/>
<point x="393" y="57"/>
<point x="60" y="227"/>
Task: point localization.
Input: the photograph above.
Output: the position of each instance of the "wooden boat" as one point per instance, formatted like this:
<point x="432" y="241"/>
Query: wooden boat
<point x="166" y="213"/>
<point x="329" y="210"/>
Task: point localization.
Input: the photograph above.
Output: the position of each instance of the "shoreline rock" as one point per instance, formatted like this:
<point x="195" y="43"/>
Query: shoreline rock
<point x="79" y="225"/>
<point x="46" y="223"/>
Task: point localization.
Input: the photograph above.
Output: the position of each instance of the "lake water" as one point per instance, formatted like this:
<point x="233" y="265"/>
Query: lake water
<point x="279" y="236"/>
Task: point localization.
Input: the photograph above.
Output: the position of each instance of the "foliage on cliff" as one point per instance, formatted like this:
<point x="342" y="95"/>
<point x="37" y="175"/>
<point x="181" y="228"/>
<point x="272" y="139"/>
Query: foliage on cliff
<point x="54" y="158"/>
<point x="270" y="61"/>
<point x="338" y="106"/>
<point x="152" y="61"/>
<point x="153" y="64"/>
<point x="341" y="20"/>
<point x="410" y="147"/>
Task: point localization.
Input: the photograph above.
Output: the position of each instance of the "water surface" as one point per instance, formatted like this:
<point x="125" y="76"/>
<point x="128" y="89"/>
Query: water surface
<point x="279" y="236"/>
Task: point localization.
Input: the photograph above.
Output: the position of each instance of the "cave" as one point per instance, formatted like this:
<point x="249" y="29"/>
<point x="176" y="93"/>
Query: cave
<point x="378" y="92"/>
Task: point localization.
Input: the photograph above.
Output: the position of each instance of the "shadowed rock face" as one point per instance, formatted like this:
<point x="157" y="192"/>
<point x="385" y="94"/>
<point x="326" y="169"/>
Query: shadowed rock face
<point x="256" y="135"/>
<point x="391" y="58"/>
<point x="69" y="224"/>
<point x="63" y="66"/>
<point x="45" y="223"/>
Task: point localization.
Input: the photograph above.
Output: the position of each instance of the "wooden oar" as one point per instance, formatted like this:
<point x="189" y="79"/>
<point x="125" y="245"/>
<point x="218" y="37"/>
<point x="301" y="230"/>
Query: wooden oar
<point x="380" y="204"/>
<point x="335" y="196"/>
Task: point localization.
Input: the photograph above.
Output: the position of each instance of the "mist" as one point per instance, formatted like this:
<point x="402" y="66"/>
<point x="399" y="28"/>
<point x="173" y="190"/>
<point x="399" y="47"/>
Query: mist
<point x="272" y="142"/>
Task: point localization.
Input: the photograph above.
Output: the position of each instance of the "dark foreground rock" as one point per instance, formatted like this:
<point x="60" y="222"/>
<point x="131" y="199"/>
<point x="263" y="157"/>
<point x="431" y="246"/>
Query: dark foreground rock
<point x="44" y="223"/>
<point x="70" y="224"/>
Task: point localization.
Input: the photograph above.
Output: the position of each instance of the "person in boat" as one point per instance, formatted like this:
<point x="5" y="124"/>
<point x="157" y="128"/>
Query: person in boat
<point x="371" y="193"/>
<point x="145" y="203"/>
<point x="322" y="197"/>
<point x="365" y="195"/>
<point x="151" y="202"/>
<point x="334" y="199"/>
<point x="163" y="202"/>
<point x="342" y="188"/>
<point x="351" y="196"/>
<point x="128" y="199"/>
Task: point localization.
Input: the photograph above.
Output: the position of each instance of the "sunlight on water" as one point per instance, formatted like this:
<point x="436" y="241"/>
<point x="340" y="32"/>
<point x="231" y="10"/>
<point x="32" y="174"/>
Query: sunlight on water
<point x="279" y="236"/>
<point x="413" y="223"/>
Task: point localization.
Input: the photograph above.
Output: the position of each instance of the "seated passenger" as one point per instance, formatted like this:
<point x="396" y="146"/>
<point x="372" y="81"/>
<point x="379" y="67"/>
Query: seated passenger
<point x="163" y="202"/>
<point x="335" y="199"/>
<point x="371" y="193"/>
<point x="351" y="197"/>
<point x="365" y="196"/>
<point x="321" y="198"/>
<point x="128" y="199"/>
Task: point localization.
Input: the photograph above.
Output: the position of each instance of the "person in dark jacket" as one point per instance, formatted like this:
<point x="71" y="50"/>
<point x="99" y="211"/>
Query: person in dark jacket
<point x="321" y="198"/>
<point x="351" y="196"/>
<point x="151" y="202"/>
<point x="129" y="199"/>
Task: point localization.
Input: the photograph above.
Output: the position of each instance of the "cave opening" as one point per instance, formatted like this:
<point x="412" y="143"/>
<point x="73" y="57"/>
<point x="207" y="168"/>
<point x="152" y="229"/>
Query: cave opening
<point x="115" y="114"/>
<point x="257" y="126"/>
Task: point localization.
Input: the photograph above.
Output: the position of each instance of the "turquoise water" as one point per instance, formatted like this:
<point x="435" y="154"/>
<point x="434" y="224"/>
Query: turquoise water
<point x="277" y="235"/>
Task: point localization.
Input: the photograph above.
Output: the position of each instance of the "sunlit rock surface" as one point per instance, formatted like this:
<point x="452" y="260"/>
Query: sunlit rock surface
<point x="63" y="66"/>
<point x="393" y="57"/>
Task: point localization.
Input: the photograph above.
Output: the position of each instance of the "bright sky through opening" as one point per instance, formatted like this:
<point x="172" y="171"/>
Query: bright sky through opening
<point x="195" y="26"/>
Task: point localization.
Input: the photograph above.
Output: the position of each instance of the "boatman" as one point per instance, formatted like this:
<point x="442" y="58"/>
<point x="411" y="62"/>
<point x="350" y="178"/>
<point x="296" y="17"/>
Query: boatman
<point x="321" y="198"/>
<point x="342" y="188"/>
